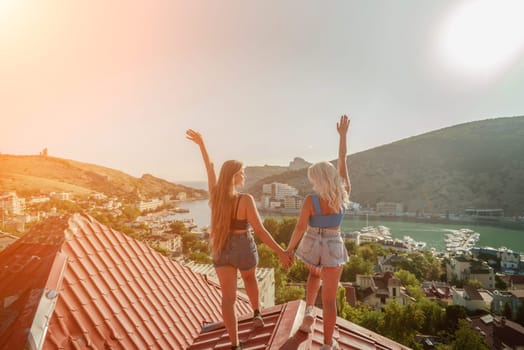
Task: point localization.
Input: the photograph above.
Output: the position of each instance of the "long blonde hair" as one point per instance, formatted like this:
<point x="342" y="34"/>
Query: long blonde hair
<point x="328" y="184"/>
<point x="222" y="201"/>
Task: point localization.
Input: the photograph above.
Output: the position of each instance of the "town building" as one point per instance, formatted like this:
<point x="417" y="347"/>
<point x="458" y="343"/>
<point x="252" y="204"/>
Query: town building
<point x="376" y="291"/>
<point x="508" y="303"/>
<point x="471" y="298"/>
<point x="279" y="191"/>
<point x="265" y="277"/>
<point x="389" y="208"/>
<point x="463" y="268"/>
<point x="11" y="204"/>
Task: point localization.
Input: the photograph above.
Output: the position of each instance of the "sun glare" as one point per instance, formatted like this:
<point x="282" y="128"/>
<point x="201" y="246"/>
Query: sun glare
<point x="6" y="8"/>
<point x="483" y="36"/>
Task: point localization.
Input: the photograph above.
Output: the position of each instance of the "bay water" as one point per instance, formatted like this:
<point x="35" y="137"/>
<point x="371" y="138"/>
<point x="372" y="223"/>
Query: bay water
<point x="432" y="234"/>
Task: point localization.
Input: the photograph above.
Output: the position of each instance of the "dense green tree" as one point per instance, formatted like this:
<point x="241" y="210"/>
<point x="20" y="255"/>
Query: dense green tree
<point x="454" y="313"/>
<point x="130" y="212"/>
<point x="271" y="224"/>
<point x="434" y="316"/>
<point x="372" y="320"/>
<point x="178" y="227"/>
<point x="356" y="266"/>
<point x="500" y="284"/>
<point x="267" y="257"/>
<point x="285" y="229"/>
<point x="351" y="247"/>
<point x="473" y="283"/>
<point x="298" y="272"/>
<point x="401" y="323"/>
<point x="467" y="338"/>
<point x="407" y="278"/>
<point x="371" y="251"/>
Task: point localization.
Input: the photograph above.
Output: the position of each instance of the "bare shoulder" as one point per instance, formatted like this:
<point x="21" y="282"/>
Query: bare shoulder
<point x="246" y="200"/>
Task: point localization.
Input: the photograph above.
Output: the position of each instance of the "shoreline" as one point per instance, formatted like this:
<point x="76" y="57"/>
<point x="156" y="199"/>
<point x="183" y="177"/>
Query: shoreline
<point x="498" y="223"/>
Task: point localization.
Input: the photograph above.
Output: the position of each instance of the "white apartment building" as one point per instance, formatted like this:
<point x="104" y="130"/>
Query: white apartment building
<point x="293" y="202"/>
<point x="389" y="208"/>
<point x="149" y="205"/>
<point x="40" y="199"/>
<point x="64" y="196"/>
<point x="279" y="191"/>
<point x="464" y="269"/>
<point x="11" y="204"/>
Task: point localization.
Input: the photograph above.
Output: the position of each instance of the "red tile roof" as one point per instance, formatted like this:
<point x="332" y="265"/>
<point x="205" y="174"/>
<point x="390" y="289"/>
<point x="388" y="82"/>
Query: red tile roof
<point x="280" y="332"/>
<point x="72" y="282"/>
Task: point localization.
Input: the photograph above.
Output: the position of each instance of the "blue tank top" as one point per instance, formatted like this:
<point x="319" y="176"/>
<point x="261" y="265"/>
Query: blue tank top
<point x="319" y="220"/>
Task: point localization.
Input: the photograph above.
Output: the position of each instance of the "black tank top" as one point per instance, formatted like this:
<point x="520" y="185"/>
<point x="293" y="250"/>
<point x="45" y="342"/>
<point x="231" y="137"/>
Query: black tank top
<point x="237" y="224"/>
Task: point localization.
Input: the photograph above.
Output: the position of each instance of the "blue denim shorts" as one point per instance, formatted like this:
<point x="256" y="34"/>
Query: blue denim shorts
<point x="240" y="251"/>
<point x="322" y="247"/>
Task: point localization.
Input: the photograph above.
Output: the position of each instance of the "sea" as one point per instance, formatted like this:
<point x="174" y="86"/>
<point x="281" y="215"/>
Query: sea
<point x="433" y="234"/>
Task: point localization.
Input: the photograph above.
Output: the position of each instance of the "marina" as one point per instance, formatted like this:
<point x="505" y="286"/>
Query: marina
<point x="433" y="235"/>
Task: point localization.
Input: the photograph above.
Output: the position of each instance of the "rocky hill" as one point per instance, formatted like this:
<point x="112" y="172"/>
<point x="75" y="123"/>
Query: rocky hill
<point x="472" y="165"/>
<point x="28" y="175"/>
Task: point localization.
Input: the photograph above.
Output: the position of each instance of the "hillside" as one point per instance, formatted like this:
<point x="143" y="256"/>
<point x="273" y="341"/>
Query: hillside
<point x="42" y="174"/>
<point x="472" y="165"/>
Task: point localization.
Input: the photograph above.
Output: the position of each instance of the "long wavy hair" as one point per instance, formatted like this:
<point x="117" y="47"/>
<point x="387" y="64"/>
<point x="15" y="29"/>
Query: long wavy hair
<point x="222" y="202"/>
<point x="328" y="184"/>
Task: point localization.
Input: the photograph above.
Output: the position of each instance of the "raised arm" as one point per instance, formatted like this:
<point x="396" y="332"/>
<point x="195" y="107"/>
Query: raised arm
<point x="210" y="169"/>
<point x="342" y="128"/>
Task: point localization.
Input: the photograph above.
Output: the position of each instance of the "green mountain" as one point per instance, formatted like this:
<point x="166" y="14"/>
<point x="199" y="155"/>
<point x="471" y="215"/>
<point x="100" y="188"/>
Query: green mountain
<point x="472" y="165"/>
<point x="31" y="175"/>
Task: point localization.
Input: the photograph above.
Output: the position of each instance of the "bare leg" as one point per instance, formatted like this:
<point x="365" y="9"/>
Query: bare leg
<point x="251" y="285"/>
<point x="312" y="285"/>
<point x="228" y="283"/>
<point x="330" y="279"/>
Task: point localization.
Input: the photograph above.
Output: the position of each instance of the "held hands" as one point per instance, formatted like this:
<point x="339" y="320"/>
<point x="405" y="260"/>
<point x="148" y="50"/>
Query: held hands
<point x="286" y="259"/>
<point x="343" y="125"/>
<point x="194" y="136"/>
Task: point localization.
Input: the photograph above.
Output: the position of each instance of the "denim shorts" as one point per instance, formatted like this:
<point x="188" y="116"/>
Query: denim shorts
<point x="322" y="247"/>
<point x="240" y="251"/>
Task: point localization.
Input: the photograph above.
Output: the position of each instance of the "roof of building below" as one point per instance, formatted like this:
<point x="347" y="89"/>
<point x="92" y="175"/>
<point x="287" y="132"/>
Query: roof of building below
<point x="281" y="332"/>
<point x="72" y="282"/>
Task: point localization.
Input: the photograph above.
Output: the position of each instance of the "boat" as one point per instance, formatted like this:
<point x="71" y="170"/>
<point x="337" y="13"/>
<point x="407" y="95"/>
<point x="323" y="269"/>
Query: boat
<point x="461" y="240"/>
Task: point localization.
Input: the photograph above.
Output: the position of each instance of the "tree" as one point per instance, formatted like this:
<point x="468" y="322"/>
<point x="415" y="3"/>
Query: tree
<point x="271" y="224"/>
<point x="500" y="284"/>
<point x="356" y="266"/>
<point x="473" y="283"/>
<point x="298" y="272"/>
<point x="178" y="227"/>
<point x="285" y="229"/>
<point x="467" y="338"/>
<point x="454" y="313"/>
<point x="402" y="323"/>
<point x="407" y="278"/>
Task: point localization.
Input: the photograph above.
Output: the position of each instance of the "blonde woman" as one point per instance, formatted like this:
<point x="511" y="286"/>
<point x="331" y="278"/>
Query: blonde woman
<point x="232" y="245"/>
<point x="321" y="248"/>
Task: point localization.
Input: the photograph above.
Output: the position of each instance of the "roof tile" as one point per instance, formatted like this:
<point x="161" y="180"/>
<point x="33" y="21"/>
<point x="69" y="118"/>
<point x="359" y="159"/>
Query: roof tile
<point x="113" y="291"/>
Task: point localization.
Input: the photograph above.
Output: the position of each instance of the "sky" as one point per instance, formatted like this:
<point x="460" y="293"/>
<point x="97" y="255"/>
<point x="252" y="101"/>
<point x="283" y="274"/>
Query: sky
<point x="117" y="83"/>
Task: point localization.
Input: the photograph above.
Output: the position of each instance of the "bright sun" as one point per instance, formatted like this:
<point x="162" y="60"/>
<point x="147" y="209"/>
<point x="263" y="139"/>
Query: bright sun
<point x="483" y="36"/>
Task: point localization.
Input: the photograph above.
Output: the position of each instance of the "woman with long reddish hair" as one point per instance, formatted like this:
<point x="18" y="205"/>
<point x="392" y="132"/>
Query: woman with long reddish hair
<point x="233" y="248"/>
